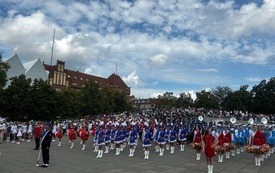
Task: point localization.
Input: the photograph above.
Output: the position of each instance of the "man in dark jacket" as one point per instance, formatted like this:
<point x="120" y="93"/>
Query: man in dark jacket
<point x="45" y="144"/>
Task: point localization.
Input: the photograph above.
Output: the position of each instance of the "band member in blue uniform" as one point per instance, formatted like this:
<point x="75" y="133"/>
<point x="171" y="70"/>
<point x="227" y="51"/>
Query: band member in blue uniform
<point x="161" y="140"/>
<point x="172" y="138"/>
<point x="45" y="144"/>
<point x="146" y="141"/>
<point x="107" y="138"/>
<point x="132" y="140"/>
<point x="100" y="142"/>
<point x="182" y="137"/>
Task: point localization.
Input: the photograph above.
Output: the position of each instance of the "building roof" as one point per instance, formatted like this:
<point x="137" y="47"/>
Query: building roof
<point x="78" y="79"/>
<point x="116" y="80"/>
<point x="32" y="69"/>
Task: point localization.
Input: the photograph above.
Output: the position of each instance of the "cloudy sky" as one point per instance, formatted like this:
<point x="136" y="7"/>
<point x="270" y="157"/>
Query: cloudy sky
<point x="157" y="45"/>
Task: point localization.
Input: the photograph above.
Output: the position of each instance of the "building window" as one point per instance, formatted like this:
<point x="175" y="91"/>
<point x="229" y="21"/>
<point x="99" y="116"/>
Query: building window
<point x="81" y="78"/>
<point x="68" y="76"/>
<point x="75" y="77"/>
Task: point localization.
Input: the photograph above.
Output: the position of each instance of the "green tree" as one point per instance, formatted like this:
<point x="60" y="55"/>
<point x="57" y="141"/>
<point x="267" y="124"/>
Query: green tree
<point x="17" y="98"/>
<point x="90" y="99"/>
<point x="207" y="100"/>
<point x="68" y="103"/>
<point x="167" y="100"/>
<point x="3" y="73"/>
<point x="238" y="100"/>
<point x="221" y="93"/>
<point x="263" y="97"/>
<point x="184" y="100"/>
<point x="120" y="101"/>
<point x="43" y="104"/>
<point x="107" y="100"/>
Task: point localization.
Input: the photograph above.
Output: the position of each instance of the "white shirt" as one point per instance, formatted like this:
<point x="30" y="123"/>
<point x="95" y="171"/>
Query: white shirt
<point x="2" y="126"/>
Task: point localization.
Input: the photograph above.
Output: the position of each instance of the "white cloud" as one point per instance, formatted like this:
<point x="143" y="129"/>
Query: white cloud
<point x="164" y="41"/>
<point x="209" y="70"/>
<point x="132" y="79"/>
<point x="158" y="59"/>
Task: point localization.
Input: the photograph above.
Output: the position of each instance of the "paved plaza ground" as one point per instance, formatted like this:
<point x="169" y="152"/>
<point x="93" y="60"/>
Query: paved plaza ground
<point x="22" y="158"/>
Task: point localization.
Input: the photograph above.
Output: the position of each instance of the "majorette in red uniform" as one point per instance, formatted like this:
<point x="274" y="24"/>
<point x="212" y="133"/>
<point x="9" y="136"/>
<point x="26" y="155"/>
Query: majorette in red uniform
<point x="227" y="142"/>
<point x="198" y="142"/>
<point x="84" y="135"/>
<point x="257" y="142"/>
<point x="220" y="146"/>
<point x="58" y="134"/>
<point x="72" y="135"/>
<point x="209" y="149"/>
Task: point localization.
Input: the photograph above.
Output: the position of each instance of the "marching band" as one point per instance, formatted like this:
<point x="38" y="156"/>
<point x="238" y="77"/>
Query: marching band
<point x="208" y="138"/>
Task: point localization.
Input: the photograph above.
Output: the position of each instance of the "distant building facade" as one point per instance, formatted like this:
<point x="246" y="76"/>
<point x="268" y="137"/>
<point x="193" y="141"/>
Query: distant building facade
<point x="144" y="104"/>
<point x="33" y="69"/>
<point x="59" y="77"/>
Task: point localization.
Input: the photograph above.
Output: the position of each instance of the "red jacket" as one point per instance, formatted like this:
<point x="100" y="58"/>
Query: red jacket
<point x="84" y="135"/>
<point x="71" y="134"/>
<point x="257" y="140"/>
<point x="227" y="137"/>
<point x="197" y="138"/>
<point x="221" y="139"/>
<point x="38" y="132"/>
<point x="263" y="138"/>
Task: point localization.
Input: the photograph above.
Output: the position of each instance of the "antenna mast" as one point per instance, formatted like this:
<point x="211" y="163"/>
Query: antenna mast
<point x="52" y="47"/>
<point x="116" y="69"/>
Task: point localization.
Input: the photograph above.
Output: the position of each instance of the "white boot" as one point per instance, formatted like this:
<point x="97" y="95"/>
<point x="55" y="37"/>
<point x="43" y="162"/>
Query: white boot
<point x="262" y="157"/>
<point x="233" y="153"/>
<point x="72" y="144"/>
<point x="83" y="148"/>
<point x="98" y="154"/>
<point x="131" y="151"/>
<point x="117" y="151"/>
<point x="259" y="161"/>
<point x="106" y="149"/>
<point x="221" y="158"/>
<point x="208" y="168"/>
<point x="167" y="147"/>
<point x="199" y="156"/>
<point x="96" y="148"/>
<point x="112" y="146"/>
<point x="242" y="149"/>
<point x="81" y="142"/>
<point x="59" y="144"/>
<point x="161" y="150"/>
<point x="157" y="148"/>
<point x="256" y="161"/>
<point x="145" y="154"/>
<point x="101" y="153"/>
<point x="172" y="150"/>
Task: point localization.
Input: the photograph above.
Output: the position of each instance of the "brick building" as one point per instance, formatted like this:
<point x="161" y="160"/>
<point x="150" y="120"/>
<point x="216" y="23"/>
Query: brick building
<point x="59" y="77"/>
